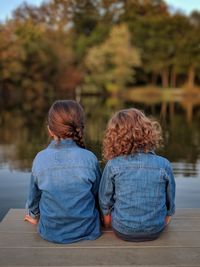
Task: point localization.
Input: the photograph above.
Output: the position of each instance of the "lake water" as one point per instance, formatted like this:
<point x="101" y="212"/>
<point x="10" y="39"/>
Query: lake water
<point x="23" y="134"/>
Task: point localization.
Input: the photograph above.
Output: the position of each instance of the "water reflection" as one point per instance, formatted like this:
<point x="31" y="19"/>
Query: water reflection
<point x="24" y="133"/>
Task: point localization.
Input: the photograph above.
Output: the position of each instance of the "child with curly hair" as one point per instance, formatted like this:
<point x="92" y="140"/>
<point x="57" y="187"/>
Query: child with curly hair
<point x="137" y="189"/>
<point x="65" y="180"/>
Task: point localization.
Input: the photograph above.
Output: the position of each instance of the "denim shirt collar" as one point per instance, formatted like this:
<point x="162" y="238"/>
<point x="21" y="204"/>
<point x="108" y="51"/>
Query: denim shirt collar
<point x="152" y="152"/>
<point x="142" y="152"/>
<point x="62" y="143"/>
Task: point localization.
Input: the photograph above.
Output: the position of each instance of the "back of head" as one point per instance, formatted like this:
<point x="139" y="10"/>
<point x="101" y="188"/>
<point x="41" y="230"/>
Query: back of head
<point x="66" y="120"/>
<point x="130" y="131"/>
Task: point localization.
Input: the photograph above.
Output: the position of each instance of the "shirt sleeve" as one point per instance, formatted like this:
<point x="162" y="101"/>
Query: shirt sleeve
<point x="96" y="183"/>
<point x="170" y="191"/>
<point x="33" y="198"/>
<point x="106" y="191"/>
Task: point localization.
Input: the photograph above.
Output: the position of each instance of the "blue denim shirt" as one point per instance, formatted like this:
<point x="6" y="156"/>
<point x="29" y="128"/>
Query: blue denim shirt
<point x="138" y="191"/>
<point x="63" y="188"/>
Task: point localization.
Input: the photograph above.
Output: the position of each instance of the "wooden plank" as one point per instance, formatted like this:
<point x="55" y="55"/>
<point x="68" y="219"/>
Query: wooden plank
<point x="17" y="226"/>
<point x="183" y="224"/>
<point x="103" y="257"/>
<point x="173" y="265"/>
<point x="18" y="214"/>
<point x="177" y="224"/>
<point x="107" y="240"/>
<point x="179" y="245"/>
<point x="15" y="214"/>
<point x="111" y="265"/>
<point x="188" y="213"/>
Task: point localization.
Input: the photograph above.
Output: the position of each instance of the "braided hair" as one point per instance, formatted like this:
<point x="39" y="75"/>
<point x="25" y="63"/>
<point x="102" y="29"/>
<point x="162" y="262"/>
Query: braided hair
<point x="66" y="119"/>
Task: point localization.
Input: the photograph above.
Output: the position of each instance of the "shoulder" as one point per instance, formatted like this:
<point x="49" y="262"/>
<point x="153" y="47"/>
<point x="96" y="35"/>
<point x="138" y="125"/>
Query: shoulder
<point x="114" y="162"/>
<point x="86" y="154"/>
<point x="118" y="159"/>
<point x="40" y="159"/>
<point x="164" y="163"/>
<point x="147" y="159"/>
<point x="41" y="155"/>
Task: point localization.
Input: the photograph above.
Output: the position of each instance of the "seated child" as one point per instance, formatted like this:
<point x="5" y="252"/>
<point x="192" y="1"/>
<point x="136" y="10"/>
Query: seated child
<point x="65" y="180"/>
<point x="137" y="189"/>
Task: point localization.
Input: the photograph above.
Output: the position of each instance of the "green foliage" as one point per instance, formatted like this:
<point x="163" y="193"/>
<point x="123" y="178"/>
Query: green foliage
<point x="84" y="42"/>
<point x="161" y="38"/>
<point x="104" y="46"/>
<point x="110" y="64"/>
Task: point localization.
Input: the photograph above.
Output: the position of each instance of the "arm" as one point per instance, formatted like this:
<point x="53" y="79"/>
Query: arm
<point x="170" y="193"/>
<point x="96" y="183"/>
<point x="167" y="220"/>
<point x="106" y="194"/>
<point x="107" y="221"/>
<point x="29" y="219"/>
<point x="95" y="186"/>
<point x="33" y="202"/>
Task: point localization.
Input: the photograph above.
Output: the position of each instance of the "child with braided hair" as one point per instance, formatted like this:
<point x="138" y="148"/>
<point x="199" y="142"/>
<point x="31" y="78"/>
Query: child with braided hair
<point x="64" y="180"/>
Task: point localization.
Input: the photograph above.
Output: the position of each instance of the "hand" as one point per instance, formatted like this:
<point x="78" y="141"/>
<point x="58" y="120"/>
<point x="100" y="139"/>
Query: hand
<point x="167" y="219"/>
<point x="107" y="221"/>
<point x="29" y="219"/>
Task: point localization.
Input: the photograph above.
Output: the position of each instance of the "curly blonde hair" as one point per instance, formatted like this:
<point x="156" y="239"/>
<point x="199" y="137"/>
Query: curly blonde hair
<point x="130" y="131"/>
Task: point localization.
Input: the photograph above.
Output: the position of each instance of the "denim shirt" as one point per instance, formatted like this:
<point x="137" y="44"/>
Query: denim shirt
<point x="63" y="192"/>
<point x="138" y="191"/>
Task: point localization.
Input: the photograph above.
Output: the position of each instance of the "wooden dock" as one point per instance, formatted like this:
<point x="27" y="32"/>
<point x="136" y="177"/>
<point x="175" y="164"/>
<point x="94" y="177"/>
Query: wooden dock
<point x="179" y="245"/>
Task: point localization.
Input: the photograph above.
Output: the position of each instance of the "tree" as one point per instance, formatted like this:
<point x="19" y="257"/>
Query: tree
<point x="11" y="54"/>
<point x="110" y="65"/>
<point x="179" y="27"/>
<point x="46" y="50"/>
<point x="148" y="24"/>
<point x="191" y="49"/>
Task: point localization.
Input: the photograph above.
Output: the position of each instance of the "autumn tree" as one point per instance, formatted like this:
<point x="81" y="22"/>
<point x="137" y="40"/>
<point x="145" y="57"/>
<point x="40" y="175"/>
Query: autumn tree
<point x="51" y="49"/>
<point x="11" y="54"/>
<point x="111" y="65"/>
<point x="190" y="50"/>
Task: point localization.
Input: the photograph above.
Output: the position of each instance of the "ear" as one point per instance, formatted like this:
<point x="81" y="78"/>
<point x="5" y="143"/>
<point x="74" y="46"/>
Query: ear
<point x="50" y="132"/>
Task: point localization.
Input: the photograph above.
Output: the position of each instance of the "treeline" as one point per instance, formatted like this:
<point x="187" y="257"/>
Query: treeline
<point x="96" y="45"/>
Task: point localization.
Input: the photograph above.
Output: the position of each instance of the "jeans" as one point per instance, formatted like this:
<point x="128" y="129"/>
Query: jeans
<point x="138" y="237"/>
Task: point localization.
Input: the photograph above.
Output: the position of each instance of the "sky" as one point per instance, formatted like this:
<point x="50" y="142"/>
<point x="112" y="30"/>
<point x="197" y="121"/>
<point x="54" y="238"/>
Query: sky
<point x="184" y="5"/>
<point x="6" y="6"/>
